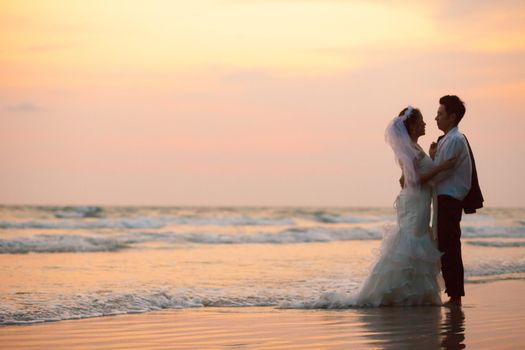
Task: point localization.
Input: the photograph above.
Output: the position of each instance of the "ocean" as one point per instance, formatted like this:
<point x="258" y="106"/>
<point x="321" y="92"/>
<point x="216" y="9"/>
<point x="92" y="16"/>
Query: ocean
<point x="61" y="263"/>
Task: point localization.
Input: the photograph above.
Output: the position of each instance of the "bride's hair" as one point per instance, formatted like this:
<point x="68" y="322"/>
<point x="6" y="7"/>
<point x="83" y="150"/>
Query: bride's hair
<point x="411" y="118"/>
<point x="397" y="135"/>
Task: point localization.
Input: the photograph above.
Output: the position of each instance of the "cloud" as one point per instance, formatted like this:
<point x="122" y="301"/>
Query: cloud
<point x="23" y="107"/>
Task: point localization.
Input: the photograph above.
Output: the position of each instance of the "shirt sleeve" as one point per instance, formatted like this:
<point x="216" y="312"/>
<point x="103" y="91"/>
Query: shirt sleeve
<point x="453" y="148"/>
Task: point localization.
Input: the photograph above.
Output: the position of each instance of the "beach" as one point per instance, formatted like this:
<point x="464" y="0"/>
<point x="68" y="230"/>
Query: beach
<point x="492" y="317"/>
<point x="208" y="278"/>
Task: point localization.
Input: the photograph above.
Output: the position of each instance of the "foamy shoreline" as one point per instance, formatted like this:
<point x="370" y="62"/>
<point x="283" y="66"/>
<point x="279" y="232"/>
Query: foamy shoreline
<point x="492" y="318"/>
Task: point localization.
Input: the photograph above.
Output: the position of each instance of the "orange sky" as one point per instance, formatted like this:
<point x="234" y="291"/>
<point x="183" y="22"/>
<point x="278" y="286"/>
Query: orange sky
<point x="248" y="102"/>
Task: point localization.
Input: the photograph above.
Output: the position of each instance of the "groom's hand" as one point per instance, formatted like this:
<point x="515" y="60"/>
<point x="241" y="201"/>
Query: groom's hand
<point x="432" y="150"/>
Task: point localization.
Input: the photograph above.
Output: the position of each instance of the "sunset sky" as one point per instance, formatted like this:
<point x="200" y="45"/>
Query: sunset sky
<point x="249" y="102"/>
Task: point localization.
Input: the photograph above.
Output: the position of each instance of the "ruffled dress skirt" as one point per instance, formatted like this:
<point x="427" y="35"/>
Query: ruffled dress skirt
<point x="406" y="271"/>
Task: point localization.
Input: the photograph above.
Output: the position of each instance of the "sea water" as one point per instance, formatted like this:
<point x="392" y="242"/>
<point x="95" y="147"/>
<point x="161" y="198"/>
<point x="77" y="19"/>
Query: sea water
<point x="60" y="263"/>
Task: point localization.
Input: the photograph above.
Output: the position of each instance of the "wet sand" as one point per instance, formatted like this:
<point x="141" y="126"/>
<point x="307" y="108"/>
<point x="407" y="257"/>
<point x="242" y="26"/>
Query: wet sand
<point x="492" y="317"/>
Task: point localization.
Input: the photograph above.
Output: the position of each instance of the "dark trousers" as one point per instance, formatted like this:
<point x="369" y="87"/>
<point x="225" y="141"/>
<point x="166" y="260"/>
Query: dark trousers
<point x="449" y="234"/>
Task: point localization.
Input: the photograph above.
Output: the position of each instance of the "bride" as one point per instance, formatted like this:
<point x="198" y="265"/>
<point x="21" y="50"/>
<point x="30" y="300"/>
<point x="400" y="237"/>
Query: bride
<point x="407" y="270"/>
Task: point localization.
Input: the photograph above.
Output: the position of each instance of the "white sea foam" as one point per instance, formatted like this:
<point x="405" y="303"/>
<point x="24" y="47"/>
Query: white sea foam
<point x="114" y="303"/>
<point x="328" y="218"/>
<point x="58" y="243"/>
<point x="292" y="235"/>
<point x="27" y="307"/>
<point x="51" y="243"/>
<point x="495" y="267"/>
<point x="79" y="212"/>
<point x="142" y="222"/>
<point x="72" y="224"/>
<point x="492" y="231"/>
<point x="497" y="244"/>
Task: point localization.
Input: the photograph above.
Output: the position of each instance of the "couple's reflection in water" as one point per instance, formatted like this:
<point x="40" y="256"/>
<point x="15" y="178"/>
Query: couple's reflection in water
<point x="453" y="329"/>
<point x="414" y="327"/>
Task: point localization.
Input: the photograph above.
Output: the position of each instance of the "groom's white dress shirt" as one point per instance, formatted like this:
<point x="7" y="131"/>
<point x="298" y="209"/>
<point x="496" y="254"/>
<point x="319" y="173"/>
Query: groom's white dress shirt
<point x="456" y="181"/>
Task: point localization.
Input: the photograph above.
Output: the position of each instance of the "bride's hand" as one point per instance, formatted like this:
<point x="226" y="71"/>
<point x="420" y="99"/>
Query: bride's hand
<point x="432" y="150"/>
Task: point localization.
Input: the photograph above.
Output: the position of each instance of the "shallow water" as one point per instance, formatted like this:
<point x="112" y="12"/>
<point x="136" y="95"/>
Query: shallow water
<point x="484" y="322"/>
<point x="63" y="263"/>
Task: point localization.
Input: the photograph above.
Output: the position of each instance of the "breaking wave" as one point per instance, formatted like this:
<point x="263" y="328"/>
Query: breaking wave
<point x="107" y="303"/>
<point x="52" y="243"/>
<point x="497" y="244"/>
<point x="141" y="222"/>
<point x="19" y="310"/>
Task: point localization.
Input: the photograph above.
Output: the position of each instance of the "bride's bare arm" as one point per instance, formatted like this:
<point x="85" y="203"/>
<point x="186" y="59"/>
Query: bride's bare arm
<point x="447" y="164"/>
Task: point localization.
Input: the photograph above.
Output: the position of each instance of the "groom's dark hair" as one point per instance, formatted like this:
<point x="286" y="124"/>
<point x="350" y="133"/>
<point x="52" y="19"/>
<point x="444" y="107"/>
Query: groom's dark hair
<point x="453" y="104"/>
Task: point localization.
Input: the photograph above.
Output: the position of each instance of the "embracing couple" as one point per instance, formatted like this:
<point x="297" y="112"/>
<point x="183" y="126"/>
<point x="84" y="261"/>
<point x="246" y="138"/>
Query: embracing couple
<point x="408" y="268"/>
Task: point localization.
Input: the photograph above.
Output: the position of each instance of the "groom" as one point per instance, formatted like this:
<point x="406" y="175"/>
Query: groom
<point x="457" y="189"/>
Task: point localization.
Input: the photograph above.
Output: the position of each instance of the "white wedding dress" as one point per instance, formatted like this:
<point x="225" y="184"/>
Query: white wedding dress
<point x="407" y="270"/>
